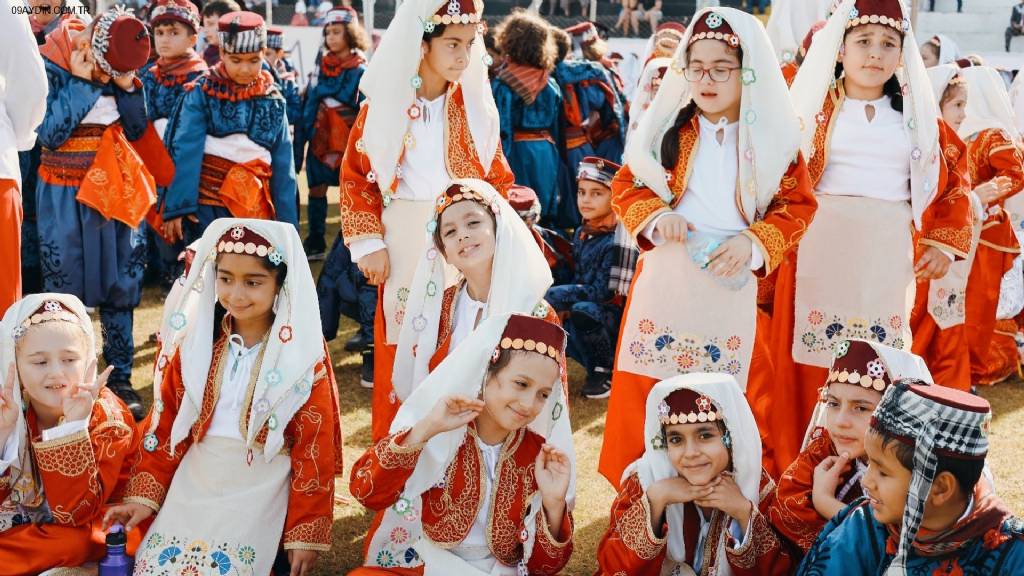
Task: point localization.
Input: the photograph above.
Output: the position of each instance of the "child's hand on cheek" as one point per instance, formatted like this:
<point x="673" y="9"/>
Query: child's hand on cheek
<point x="726" y="496"/>
<point x="79" y="398"/>
<point x="449" y="413"/>
<point x="81" y="64"/>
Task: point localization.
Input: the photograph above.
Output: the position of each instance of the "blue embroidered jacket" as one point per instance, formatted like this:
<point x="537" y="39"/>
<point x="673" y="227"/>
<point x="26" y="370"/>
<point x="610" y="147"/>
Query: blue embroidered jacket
<point x="70" y="98"/>
<point x="854" y="543"/>
<point x="263" y="120"/>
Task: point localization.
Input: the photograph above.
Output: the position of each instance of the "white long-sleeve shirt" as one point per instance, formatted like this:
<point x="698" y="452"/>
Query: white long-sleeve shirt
<point x="23" y="88"/>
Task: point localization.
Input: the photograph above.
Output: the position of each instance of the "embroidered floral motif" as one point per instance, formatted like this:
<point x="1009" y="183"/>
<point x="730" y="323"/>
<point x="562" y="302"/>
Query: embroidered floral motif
<point x="196" y="558"/>
<point x="949" y="304"/>
<point x="687" y="353"/>
<point x="827" y="334"/>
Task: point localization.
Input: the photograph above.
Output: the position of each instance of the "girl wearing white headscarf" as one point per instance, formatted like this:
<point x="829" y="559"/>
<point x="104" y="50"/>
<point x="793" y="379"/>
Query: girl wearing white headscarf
<point x="504" y="272"/>
<point x="938" y="50"/>
<point x="826" y="476"/>
<point x="940" y="310"/>
<point x="428" y="117"/>
<point x="789" y="23"/>
<point x="695" y="502"/>
<point x="243" y="442"/>
<point x="478" y="474"/>
<point x="64" y="437"/>
<point x="715" y="191"/>
<point x="874" y="145"/>
<point x="996" y="166"/>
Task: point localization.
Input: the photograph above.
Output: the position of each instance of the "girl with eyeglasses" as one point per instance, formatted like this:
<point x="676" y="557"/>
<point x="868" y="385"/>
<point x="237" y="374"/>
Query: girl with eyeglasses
<point x="718" y="197"/>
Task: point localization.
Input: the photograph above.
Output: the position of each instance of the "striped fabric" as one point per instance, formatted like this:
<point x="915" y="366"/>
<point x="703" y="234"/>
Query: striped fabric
<point x="949" y="422"/>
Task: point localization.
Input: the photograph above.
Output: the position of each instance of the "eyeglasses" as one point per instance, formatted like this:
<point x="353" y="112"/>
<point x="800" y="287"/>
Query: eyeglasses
<point x="717" y="74"/>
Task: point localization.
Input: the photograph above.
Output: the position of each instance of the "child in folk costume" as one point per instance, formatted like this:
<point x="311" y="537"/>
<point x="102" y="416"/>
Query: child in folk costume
<point x="478" y="474"/>
<point x="65" y="439"/>
<point x="594" y="114"/>
<point x="588" y="300"/>
<point x="588" y="45"/>
<point x="843" y="283"/>
<point x="696" y="501"/>
<point x="929" y="510"/>
<point x="827" y="474"/>
<point x="996" y="165"/>
<point x="501" y="270"/>
<point x="665" y="40"/>
<point x="530" y="106"/>
<point x="93" y="189"/>
<point x="244" y="440"/>
<point x="696" y="187"/>
<point x="789" y="25"/>
<point x="938" y="50"/>
<point x="556" y="248"/>
<point x="328" y="112"/>
<point x="175" y="25"/>
<point x="650" y="80"/>
<point x="231" y="146"/>
<point x="284" y="73"/>
<point x="790" y="67"/>
<point x="429" y="117"/>
<point x="939" y="314"/>
<point x="212" y="11"/>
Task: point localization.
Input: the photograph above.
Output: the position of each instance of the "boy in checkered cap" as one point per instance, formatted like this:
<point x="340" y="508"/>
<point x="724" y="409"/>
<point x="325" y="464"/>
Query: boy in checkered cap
<point x="928" y="510"/>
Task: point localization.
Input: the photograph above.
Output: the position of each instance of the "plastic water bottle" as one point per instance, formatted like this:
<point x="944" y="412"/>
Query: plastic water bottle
<point x="700" y="246"/>
<point x="116" y="562"/>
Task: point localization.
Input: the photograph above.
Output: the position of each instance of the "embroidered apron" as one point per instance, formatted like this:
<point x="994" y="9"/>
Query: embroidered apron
<point x="706" y="328"/>
<point x="224" y="516"/>
<point x="405" y="236"/>
<point x="946" y="296"/>
<point x="854" y="277"/>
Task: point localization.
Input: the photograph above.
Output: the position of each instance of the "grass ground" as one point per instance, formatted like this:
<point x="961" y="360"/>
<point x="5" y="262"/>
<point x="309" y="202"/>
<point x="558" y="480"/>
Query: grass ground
<point x="594" y="495"/>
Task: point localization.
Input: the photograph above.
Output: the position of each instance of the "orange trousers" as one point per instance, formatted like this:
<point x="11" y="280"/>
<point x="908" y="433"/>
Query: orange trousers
<point x="1003" y="359"/>
<point x="10" y="244"/>
<point x="990" y="264"/>
<point x="34" y="548"/>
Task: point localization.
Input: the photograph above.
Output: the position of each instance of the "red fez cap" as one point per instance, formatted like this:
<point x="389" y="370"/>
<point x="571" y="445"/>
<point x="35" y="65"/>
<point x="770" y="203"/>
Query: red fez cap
<point x="120" y="42"/>
<point x="714" y="27"/>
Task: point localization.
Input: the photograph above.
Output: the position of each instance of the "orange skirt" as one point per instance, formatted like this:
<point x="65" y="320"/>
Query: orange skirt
<point x="385" y="403"/>
<point x="1003" y="357"/>
<point x="10" y="242"/>
<point x="982" y="300"/>
<point x="796" y="385"/>
<point x="623" y="436"/>
<point x="943" y="350"/>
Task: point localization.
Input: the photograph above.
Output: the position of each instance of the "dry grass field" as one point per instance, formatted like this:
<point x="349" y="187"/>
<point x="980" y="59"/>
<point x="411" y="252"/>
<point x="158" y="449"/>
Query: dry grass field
<point x="594" y="495"/>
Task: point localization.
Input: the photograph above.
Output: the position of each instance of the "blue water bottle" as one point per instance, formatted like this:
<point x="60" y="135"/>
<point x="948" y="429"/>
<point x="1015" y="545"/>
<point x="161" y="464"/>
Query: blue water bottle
<point x="116" y="562"/>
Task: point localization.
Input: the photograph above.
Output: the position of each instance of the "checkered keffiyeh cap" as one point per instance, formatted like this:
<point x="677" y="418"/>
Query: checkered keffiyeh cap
<point x="937" y="421"/>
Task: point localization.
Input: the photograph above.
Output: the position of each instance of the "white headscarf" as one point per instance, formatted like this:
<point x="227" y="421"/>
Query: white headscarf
<point x="387" y="84"/>
<point x="899" y="364"/>
<point x="988" y="104"/>
<point x="654" y="465"/>
<point x="294" y="344"/>
<point x="940" y="76"/>
<point x="643" y="94"/>
<point x="789" y="22"/>
<point x="768" y="127"/>
<point x="1017" y="100"/>
<point x="948" y="50"/>
<point x="26" y="490"/>
<point x="920" y="112"/>
<point x="520" y="276"/>
<point x="463" y="373"/>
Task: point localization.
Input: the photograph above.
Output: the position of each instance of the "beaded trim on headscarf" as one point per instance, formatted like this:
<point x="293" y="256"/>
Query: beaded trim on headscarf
<point x="101" y="39"/>
<point x="241" y="240"/>
<point x="454" y="15"/>
<point x="730" y="39"/>
<point x="705" y="413"/>
<point x="529" y="345"/>
<point x="856" y="19"/>
<point x="50" y="311"/>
